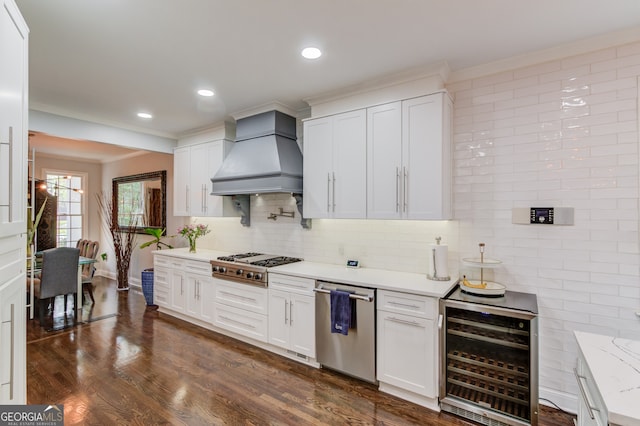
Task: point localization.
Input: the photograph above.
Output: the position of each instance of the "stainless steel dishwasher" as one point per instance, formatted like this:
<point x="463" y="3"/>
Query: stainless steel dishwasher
<point x="355" y="353"/>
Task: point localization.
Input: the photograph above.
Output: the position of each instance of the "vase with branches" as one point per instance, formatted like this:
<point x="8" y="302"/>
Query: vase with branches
<point x="123" y="238"/>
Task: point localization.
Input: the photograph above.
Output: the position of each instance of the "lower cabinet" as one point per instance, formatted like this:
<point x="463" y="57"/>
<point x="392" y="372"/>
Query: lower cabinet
<point x="292" y="322"/>
<point x="591" y="408"/>
<point x="13" y="341"/>
<point x="161" y="286"/>
<point x="407" y="346"/>
<point x="241" y="309"/>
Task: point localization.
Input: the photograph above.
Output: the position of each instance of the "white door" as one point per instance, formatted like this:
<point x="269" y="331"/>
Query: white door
<point x="349" y="186"/>
<point x="384" y="161"/>
<point x="426" y="158"/>
<point x="279" y="318"/>
<point x="317" y="168"/>
<point x="302" y="317"/>
<point x="13" y="342"/>
<point x="181" y="176"/>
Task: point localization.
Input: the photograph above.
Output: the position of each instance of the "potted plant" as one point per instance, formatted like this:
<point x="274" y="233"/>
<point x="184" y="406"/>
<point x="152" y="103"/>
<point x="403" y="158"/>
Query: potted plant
<point x="147" y="274"/>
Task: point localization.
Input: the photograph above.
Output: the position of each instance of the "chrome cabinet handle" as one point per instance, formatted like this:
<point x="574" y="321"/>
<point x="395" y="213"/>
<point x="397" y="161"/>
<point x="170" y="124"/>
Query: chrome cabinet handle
<point x="328" y="199"/>
<point x="401" y="321"/>
<point x="406" y="305"/>
<point x="13" y="349"/>
<point x="186" y="197"/>
<point x="584" y="393"/>
<point x="334" y="192"/>
<point x="397" y="189"/>
<point x="285" y="312"/>
<point x="290" y="313"/>
<point x="11" y="179"/>
<point x="404" y="209"/>
<point x="202" y="198"/>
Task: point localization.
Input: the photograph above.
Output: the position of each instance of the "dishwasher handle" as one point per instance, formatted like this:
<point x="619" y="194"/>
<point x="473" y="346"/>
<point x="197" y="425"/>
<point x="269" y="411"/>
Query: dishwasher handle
<point x="351" y="295"/>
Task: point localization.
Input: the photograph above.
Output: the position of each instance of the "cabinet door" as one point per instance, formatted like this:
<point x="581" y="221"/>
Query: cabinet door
<point x="384" y="161"/>
<point x="178" y="290"/>
<point x="279" y="317"/>
<point x="407" y="352"/>
<point x="193" y="302"/>
<point x="13" y="353"/>
<point x="302" y="316"/>
<point x="181" y="176"/>
<point x="206" y="295"/>
<point x="426" y="156"/>
<point x="317" y="168"/>
<point x="13" y="120"/>
<point x="349" y="186"/>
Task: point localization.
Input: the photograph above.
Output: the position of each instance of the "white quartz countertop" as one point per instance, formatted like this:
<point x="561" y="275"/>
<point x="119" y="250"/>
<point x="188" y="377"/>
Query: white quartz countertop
<point x="368" y="277"/>
<point x="200" y="254"/>
<point x="615" y="365"/>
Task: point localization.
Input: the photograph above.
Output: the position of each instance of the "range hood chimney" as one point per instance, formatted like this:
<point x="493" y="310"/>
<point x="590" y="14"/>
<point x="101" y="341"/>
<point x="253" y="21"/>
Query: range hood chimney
<point x="265" y="157"/>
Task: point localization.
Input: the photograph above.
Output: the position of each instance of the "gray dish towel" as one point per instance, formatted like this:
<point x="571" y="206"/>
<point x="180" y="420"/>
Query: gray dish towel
<point x="342" y="312"/>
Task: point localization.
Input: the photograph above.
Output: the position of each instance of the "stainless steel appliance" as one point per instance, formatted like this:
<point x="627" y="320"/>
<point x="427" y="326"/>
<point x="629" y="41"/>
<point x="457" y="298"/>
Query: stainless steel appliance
<point x="355" y="353"/>
<point x="489" y="362"/>
<point x="248" y="268"/>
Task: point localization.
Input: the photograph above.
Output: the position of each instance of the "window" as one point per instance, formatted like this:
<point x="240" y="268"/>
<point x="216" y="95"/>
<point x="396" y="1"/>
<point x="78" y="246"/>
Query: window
<point x="68" y="187"/>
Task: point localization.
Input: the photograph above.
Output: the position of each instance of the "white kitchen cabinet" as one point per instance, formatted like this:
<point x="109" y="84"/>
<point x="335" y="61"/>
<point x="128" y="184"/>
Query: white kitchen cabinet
<point x="409" y="159"/>
<point x="194" y="166"/>
<point x="161" y="286"/>
<point x="14" y="99"/>
<point x="241" y="309"/>
<point x="13" y="353"/>
<point x="199" y="299"/>
<point x="334" y="166"/>
<point x="407" y="346"/>
<point x="13" y="120"/>
<point x="183" y="287"/>
<point x="292" y="314"/>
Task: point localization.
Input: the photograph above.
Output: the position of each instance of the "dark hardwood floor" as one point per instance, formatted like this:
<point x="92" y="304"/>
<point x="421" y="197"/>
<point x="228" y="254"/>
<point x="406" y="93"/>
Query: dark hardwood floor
<point x="145" y="368"/>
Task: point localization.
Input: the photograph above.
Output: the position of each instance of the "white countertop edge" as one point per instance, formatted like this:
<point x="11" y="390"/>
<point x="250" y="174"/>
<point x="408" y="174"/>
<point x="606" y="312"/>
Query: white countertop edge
<point x="614" y="363"/>
<point x="382" y="279"/>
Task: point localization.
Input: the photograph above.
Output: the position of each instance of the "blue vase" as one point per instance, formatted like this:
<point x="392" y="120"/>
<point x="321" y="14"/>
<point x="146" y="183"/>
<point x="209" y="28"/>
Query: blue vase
<point x="147" y="285"/>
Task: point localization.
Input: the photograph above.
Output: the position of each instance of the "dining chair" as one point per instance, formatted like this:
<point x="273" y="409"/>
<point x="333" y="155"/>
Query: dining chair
<point x="59" y="276"/>
<point x="88" y="249"/>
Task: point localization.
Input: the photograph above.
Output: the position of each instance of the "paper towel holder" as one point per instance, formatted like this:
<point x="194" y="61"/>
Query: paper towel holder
<point x="435" y="276"/>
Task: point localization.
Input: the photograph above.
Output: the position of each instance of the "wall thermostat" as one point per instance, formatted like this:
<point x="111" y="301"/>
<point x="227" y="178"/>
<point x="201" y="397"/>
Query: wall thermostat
<point x="353" y="264"/>
<point x="542" y="215"/>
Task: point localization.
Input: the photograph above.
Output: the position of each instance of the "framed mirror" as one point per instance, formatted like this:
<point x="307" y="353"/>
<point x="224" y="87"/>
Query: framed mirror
<point x="140" y="201"/>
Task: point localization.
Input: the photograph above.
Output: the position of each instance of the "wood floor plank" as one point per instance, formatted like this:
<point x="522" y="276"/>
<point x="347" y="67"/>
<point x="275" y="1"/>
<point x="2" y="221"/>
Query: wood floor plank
<point x="147" y="368"/>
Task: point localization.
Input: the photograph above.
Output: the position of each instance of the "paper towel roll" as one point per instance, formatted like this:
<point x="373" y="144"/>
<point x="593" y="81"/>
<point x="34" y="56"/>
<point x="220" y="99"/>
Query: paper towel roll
<point x="438" y="263"/>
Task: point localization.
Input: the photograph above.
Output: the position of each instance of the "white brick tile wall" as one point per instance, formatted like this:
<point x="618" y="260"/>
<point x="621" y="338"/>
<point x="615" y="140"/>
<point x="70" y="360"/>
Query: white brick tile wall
<point x="570" y="138"/>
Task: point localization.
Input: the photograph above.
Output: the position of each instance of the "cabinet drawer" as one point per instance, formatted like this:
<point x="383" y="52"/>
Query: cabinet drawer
<point x="408" y="304"/>
<point x="289" y="283"/>
<point x="161" y="287"/>
<point x="240" y="321"/>
<point x="168" y="262"/>
<point x="242" y="296"/>
<point x="193" y="266"/>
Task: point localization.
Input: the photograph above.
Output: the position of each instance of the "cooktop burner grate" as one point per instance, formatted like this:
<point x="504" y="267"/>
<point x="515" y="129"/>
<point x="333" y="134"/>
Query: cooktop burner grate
<point x="276" y="261"/>
<point x="233" y="257"/>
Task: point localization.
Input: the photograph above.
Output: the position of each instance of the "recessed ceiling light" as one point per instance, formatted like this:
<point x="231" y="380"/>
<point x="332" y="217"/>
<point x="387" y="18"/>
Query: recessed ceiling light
<point x="205" y="92"/>
<point x="144" y="115"/>
<point x="311" y="52"/>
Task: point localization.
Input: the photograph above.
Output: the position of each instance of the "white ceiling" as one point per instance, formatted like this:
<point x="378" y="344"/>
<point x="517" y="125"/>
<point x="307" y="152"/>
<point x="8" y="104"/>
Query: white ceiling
<point x="105" y="60"/>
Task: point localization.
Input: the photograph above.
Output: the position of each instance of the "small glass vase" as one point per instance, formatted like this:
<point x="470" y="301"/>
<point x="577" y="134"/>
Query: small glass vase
<point x="192" y="245"/>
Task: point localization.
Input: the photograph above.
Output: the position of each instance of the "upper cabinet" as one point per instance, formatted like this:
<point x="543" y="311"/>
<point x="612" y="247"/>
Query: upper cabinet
<point x="335" y="166"/>
<point x="409" y="159"/>
<point x="13" y="120"/>
<point x="193" y="168"/>
<point x="391" y="161"/>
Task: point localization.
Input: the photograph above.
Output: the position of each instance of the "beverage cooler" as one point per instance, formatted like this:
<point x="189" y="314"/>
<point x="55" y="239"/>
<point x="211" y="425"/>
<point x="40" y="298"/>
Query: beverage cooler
<point x="489" y="361"/>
